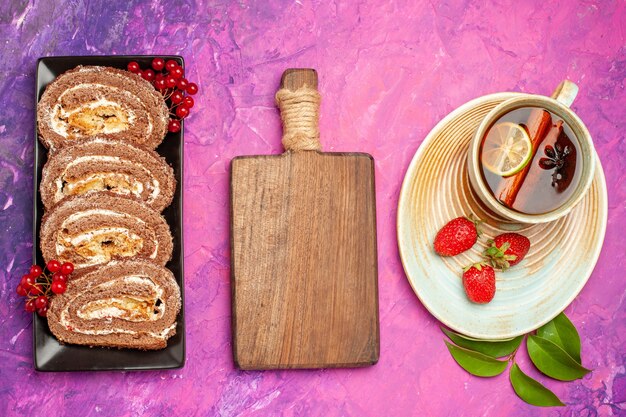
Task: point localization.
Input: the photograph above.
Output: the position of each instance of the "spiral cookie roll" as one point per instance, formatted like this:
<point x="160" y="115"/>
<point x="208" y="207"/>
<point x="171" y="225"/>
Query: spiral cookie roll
<point x="96" y="228"/>
<point x="101" y="165"/>
<point x="90" y="101"/>
<point x="125" y="304"/>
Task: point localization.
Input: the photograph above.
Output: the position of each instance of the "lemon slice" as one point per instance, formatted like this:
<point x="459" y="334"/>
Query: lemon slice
<point x="507" y="149"/>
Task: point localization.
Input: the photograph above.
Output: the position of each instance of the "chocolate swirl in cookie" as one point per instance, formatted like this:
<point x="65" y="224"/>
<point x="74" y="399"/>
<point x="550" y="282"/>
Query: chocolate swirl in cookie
<point x="93" y="101"/>
<point x="129" y="304"/>
<point x="107" y="165"/>
<point x="97" y="228"/>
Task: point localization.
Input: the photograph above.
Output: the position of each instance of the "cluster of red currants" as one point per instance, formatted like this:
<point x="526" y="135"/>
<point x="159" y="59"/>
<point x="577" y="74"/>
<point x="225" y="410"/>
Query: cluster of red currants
<point x="168" y="78"/>
<point x="39" y="286"/>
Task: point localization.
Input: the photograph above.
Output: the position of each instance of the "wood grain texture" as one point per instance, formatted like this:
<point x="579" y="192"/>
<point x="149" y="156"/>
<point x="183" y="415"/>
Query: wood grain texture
<point x="304" y="262"/>
<point x="303" y="254"/>
<point x="295" y="78"/>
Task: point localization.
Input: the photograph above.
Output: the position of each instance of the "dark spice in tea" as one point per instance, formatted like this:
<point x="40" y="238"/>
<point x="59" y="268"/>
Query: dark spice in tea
<point x="530" y="160"/>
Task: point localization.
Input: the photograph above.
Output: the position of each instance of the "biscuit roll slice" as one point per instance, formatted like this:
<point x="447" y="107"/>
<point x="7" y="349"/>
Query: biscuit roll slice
<point x="107" y="165"/>
<point x="96" y="228"/>
<point x="90" y="101"/>
<point x="125" y="304"/>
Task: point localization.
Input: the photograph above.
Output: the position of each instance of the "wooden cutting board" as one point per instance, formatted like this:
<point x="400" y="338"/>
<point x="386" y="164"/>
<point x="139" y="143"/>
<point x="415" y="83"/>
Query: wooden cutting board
<point x="303" y="247"/>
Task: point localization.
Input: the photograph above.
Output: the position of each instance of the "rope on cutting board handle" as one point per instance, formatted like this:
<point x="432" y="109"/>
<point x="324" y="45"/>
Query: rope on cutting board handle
<point x="300" y="112"/>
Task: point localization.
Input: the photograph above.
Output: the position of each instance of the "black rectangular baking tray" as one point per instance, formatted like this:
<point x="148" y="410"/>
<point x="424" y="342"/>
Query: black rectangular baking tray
<point x="49" y="354"/>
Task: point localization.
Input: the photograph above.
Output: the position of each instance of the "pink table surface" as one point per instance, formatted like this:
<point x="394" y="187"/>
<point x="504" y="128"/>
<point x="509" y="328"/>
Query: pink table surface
<point x="388" y="72"/>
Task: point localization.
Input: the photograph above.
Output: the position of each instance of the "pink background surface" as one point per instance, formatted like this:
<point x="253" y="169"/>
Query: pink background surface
<point x="389" y="71"/>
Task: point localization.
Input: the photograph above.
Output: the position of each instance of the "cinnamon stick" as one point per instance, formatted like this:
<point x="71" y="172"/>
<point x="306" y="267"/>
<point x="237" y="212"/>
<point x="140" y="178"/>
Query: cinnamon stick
<point x="538" y="125"/>
<point x="534" y="175"/>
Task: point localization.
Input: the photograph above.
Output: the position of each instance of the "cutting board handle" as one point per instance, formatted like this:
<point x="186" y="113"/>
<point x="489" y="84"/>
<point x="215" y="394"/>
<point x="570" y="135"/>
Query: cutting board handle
<point x="299" y="104"/>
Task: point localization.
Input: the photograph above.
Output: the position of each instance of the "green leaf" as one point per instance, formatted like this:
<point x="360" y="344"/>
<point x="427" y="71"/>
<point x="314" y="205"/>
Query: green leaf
<point x="552" y="360"/>
<point x="532" y="391"/>
<point x="562" y="333"/>
<point x="495" y="349"/>
<point x="476" y="363"/>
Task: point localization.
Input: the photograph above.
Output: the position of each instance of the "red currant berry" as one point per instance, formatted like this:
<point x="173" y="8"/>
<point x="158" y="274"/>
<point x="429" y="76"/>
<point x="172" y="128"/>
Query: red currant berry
<point x="133" y="67"/>
<point x="147" y="75"/>
<point x="160" y="84"/>
<point x="182" y="112"/>
<point x="170" y="81"/>
<point x="27" y="281"/>
<point x="192" y="88"/>
<point x="171" y="64"/>
<point x="158" y="64"/>
<point x="58" y="287"/>
<point x="188" y="102"/>
<point x="53" y="266"/>
<point x="159" y="76"/>
<point x="36" y="289"/>
<point x="177" y="97"/>
<point x="21" y="291"/>
<point x="182" y="84"/>
<point x="177" y="72"/>
<point x="30" y="306"/>
<point x="41" y="302"/>
<point x="43" y="312"/>
<point x="59" y="277"/>
<point x="35" y="271"/>
<point x="67" y="268"/>
<point x="173" y="126"/>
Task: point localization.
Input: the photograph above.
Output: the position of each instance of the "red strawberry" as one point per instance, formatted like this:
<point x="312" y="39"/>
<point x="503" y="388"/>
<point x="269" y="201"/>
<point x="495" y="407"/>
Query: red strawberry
<point x="456" y="236"/>
<point x="507" y="249"/>
<point x="479" y="281"/>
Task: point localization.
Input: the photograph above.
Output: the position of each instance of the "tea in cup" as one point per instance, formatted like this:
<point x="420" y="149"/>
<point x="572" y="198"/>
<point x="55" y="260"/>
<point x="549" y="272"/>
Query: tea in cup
<point x="532" y="159"/>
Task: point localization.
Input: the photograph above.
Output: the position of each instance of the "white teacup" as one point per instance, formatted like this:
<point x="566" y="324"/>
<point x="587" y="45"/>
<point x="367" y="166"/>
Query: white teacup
<point x="558" y="104"/>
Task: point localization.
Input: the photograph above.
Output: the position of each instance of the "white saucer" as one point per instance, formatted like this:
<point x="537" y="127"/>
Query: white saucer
<point x="436" y="189"/>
